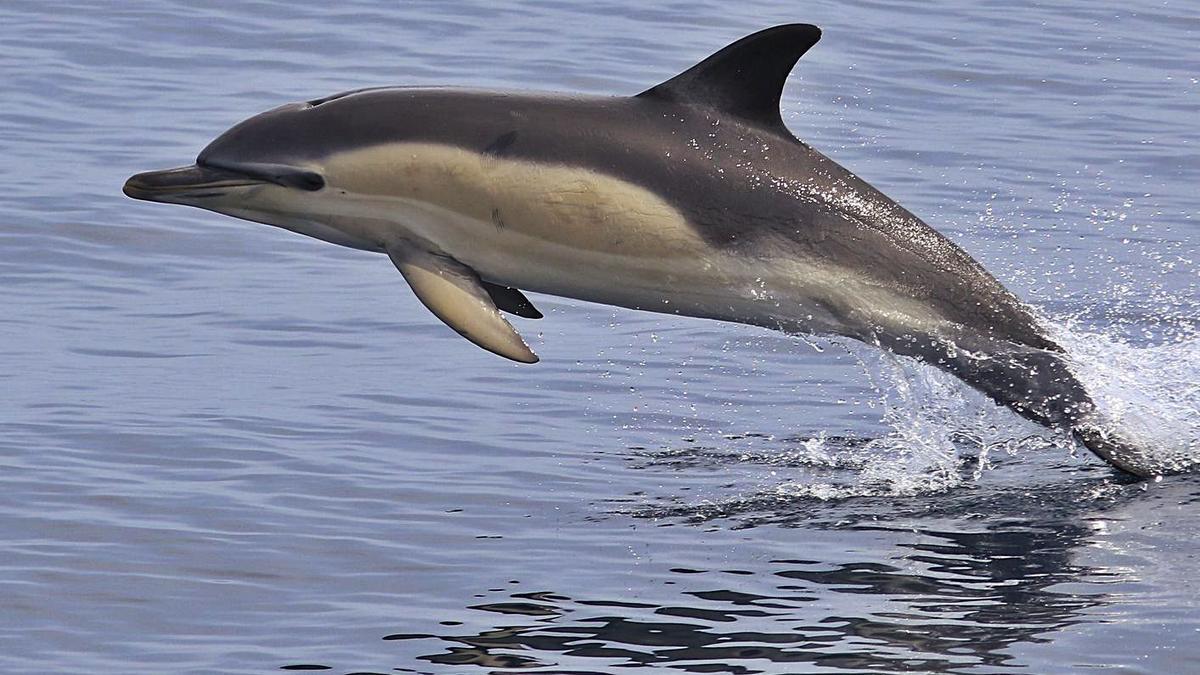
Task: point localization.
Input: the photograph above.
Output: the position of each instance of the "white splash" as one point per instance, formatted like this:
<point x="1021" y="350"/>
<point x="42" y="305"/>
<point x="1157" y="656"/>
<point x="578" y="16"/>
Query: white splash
<point x="939" y="435"/>
<point x="943" y="434"/>
<point x="1147" y="395"/>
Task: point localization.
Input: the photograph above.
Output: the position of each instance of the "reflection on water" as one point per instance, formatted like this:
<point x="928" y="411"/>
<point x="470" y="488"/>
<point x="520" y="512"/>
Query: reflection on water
<point x="946" y="602"/>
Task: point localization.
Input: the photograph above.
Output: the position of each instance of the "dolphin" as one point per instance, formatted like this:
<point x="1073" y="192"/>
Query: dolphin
<point x="691" y="197"/>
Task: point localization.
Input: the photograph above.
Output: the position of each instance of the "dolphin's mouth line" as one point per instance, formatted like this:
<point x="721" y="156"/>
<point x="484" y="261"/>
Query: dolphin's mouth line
<point x="207" y="179"/>
<point x="196" y="182"/>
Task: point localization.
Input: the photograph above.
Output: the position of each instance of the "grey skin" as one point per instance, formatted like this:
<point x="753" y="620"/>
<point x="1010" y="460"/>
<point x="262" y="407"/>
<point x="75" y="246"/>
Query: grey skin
<point x="690" y="198"/>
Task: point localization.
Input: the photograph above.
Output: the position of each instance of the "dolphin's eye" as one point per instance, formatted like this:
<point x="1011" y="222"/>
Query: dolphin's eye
<point x="310" y="181"/>
<point x="279" y="174"/>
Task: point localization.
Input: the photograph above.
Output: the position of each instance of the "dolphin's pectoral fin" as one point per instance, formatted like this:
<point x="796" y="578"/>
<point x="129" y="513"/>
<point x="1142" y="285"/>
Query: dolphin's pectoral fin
<point x="512" y="301"/>
<point x="457" y="296"/>
<point x="746" y="78"/>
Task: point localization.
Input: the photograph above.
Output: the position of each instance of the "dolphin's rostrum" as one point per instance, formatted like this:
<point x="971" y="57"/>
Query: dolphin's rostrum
<point x="690" y="198"/>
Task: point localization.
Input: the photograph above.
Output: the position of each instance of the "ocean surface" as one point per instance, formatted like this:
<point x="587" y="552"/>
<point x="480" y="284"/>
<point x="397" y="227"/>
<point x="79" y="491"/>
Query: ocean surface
<point x="225" y="448"/>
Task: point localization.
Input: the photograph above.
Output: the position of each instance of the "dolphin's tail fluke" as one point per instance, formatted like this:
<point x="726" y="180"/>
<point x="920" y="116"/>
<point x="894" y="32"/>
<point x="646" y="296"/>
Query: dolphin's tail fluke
<point x="1035" y="383"/>
<point x="1115" y="450"/>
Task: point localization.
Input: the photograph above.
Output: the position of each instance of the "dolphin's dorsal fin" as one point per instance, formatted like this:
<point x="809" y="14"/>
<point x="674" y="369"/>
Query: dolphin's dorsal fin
<point x="746" y="78"/>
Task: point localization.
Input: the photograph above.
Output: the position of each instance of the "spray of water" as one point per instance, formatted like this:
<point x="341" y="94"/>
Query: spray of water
<point x="1148" y="395"/>
<point x="940" y="434"/>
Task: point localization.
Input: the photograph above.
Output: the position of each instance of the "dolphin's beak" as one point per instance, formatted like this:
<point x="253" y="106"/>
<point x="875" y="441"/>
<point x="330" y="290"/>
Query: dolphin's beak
<point x="185" y="183"/>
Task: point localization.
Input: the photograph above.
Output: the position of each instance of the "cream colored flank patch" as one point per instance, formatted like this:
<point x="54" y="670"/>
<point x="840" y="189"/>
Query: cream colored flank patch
<point x="570" y="231"/>
<point x="571" y="206"/>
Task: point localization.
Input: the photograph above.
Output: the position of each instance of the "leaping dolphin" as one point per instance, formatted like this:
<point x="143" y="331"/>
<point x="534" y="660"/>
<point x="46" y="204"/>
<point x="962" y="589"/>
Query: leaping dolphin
<point x="689" y="198"/>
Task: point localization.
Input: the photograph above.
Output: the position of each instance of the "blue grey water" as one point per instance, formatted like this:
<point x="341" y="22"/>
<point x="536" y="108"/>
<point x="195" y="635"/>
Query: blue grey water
<point x="225" y="448"/>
